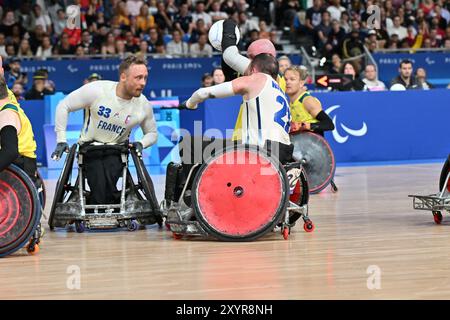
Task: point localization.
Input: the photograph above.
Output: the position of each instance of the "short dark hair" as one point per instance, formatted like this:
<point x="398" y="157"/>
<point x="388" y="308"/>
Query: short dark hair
<point x="405" y="61"/>
<point x="130" y="60"/>
<point x="265" y="63"/>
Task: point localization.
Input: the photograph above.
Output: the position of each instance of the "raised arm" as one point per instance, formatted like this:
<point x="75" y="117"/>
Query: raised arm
<point x="244" y="86"/>
<point x="231" y="54"/>
<point x="79" y="99"/>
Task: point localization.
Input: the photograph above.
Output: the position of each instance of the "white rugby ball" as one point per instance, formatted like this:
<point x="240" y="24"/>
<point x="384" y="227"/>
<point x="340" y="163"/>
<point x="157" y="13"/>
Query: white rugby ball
<point x="215" y="35"/>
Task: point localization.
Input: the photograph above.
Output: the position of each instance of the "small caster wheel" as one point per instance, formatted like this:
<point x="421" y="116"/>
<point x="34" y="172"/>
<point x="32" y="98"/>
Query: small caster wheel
<point x="309" y="226"/>
<point x="285" y="233"/>
<point x="132" y="225"/>
<point x="79" y="226"/>
<point x="177" y="236"/>
<point x="33" y="248"/>
<point x="437" y="216"/>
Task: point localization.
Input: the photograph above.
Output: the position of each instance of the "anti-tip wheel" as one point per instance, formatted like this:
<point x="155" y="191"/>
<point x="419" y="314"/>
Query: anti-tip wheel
<point x="285" y="233"/>
<point x="308" y="226"/>
<point x="437" y="216"/>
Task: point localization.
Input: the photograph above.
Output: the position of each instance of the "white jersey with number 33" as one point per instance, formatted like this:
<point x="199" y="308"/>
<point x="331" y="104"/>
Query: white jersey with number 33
<point x="266" y="116"/>
<point x="109" y="118"/>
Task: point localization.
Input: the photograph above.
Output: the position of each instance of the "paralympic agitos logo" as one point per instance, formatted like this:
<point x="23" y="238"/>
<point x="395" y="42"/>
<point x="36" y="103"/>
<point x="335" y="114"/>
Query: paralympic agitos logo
<point x="349" y="132"/>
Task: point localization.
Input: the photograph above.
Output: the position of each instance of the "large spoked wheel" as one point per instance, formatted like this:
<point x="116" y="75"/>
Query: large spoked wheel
<point x="63" y="185"/>
<point x="145" y="184"/>
<point x="20" y="209"/>
<point x="317" y="158"/>
<point x="240" y="194"/>
<point x="444" y="173"/>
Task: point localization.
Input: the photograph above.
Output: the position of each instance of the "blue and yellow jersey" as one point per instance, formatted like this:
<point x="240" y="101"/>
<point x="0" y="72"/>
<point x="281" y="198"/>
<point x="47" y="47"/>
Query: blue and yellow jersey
<point x="298" y="110"/>
<point x="27" y="144"/>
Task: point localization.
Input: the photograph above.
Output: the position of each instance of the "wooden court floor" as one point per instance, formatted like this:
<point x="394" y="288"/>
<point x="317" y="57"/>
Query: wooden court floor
<point x="368" y="244"/>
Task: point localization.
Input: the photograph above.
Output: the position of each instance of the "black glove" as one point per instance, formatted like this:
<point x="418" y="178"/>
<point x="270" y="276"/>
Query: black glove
<point x="183" y="106"/>
<point x="61" y="147"/>
<point x="228" y="34"/>
<point x="138" y="147"/>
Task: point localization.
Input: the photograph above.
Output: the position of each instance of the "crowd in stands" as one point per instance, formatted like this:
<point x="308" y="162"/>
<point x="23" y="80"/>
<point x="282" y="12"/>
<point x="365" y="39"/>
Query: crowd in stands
<point x="335" y="29"/>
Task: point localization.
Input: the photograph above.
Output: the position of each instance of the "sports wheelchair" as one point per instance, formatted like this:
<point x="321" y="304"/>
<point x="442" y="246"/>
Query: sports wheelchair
<point x="22" y="203"/>
<point x="438" y="202"/>
<point x="317" y="159"/>
<point x="137" y="205"/>
<point x="238" y="194"/>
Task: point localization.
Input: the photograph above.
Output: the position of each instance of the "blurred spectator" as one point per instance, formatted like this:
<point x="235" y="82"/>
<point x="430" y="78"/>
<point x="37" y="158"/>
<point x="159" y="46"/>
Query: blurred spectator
<point x="14" y="75"/>
<point x="274" y="39"/>
<point x="18" y="91"/>
<point x="79" y="53"/>
<point x="371" y="83"/>
<point x="53" y="9"/>
<point x="131" y="42"/>
<point x="134" y="6"/>
<point x="64" y="47"/>
<point x="177" y="46"/>
<point x="162" y="19"/>
<point x="323" y="30"/>
<point x="427" y="6"/>
<point x="183" y="20"/>
<point x="3" y="46"/>
<point x="60" y="22"/>
<point x="154" y="40"/>
<point x="24" y="49"/>
<point x="23" y="15"/>
<point x="109" y="46"/>
<point x="87" y="43"/>
<point x="207" y="80"/>
<point x="122" y="14"/>
<point x="335" y="9"/>
<point x="201" y="14"/>
<point x="38" y="90"/>
<point x="218" y="76"/>
<point x="421" y="77"/>
<point x="145" y="20"/>
<point x="144" y="49"/>
<point x="200" y="28"/>
<point x="264" y="32"/>
<point x="202" y="48"/>
<point x="246" y="25"/>
<point x="45" y="49"/>
<point x="405" y="77"/>
<point x="10" y="50"/>
<point x="41" y="19"/>
<point x="336" y="64"/>
<point x="49" y="84"/>
<point x="8" y="22"/>
<point x="352" y="45"/>
<point x="283" y="63"/>
<point x="345" y="22"/>
<point x="229" y="7"/>
<point x="216" y="13"/>
<point x="120" y="48"/>
<point x="314" y="15"/>
<point x="397" y="29"/>
<point x="356" y="84"/>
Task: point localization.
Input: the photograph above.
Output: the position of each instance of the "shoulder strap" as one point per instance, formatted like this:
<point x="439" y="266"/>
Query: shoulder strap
<point x="9" y="106"/>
